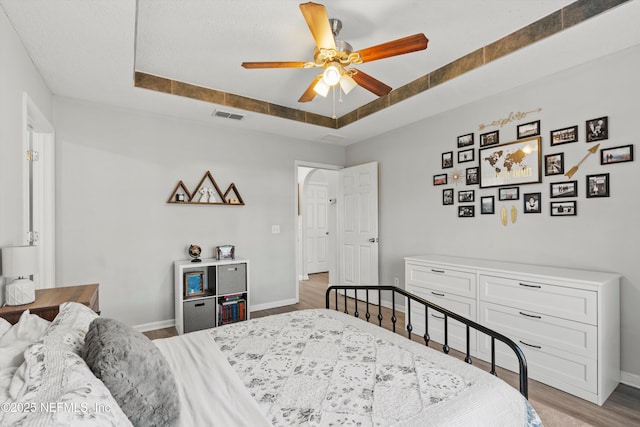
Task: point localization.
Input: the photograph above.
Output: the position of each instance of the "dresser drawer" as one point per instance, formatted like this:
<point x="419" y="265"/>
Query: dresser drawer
<point x="457" y="331"/>
<point x="457" y="282"/>
<point x="569" y="372"/>
<point x="550" y="333"/>
<point x="569" y="303"/>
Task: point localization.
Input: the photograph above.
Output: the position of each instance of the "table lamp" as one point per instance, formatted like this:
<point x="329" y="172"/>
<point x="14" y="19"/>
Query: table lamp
<point x="20" y="262"/>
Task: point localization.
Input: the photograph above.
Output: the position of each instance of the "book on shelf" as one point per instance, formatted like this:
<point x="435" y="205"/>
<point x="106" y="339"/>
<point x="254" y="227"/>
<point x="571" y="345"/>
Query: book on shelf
<point x="232" y="311"/>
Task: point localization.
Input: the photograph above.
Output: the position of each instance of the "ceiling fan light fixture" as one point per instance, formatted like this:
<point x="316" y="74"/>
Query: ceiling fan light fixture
<point x="321" y="88"/>
<point x="332" y="73"/>
<point x="347" y="83"/>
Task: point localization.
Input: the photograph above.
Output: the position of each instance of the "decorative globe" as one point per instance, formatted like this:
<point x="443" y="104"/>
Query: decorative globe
<point x="194" y="252"/>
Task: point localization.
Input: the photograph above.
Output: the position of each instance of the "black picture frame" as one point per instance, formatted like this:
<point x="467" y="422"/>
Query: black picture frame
<point x="620" y="154"/>
<point x="492" y="170"/>
<point x="598" y="185"/>
<point x="563" y="189"/>
<point x="532" y="203"/>
<point x="440" y="179"/>
<point x="447" y="196"/>
<point x="447" y="160"/>
<point x="509" y="193"/>
<point x="564" y="135"/>
<point x="471" y="176"/>
<point x="465" y="156"/>
<point x="465" y="140"/>
<point x="564" y="208"/>
<point x="554" y="164"/>
<point x="487" y="205"/>
<point x="490" y="138"/>
<point x="466" y="196"/>
<point x="466" y="211"/>
<point x="530" y="129"/>
<point x="597" y="129"/>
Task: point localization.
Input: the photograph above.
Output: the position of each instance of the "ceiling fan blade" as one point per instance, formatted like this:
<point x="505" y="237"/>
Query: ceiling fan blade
<point x="369" y="83"/>
<point x="309" y="94"/>
<point x="318" y="22"/>
<point x="274" y="64"/>
<point x="396" y="47"/>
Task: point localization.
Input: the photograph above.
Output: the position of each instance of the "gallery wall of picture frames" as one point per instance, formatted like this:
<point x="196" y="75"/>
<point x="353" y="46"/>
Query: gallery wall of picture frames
<point x="206" y="192"/>
<point x="503" y="167"/>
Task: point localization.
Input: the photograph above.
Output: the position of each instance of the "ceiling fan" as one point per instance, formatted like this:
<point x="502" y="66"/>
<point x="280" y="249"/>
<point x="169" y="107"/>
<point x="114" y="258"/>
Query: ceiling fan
<point x="335" y="56"/>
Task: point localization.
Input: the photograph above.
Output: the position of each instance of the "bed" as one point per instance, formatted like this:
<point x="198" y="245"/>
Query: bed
<point x="309" y="367"/>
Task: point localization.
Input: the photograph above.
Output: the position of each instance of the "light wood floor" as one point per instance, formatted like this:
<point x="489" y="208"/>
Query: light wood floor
<point x="622" y="409"/>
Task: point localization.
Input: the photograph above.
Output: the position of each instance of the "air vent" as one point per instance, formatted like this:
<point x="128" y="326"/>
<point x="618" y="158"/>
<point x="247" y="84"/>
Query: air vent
<point x="332" y="138"/>
<point x="227" y="115"/>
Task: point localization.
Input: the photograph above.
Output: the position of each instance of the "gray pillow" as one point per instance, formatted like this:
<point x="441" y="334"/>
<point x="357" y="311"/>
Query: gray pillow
<point x="135" y="372"/>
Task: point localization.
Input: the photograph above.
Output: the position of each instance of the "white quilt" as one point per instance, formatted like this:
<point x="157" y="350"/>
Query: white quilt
<point x="322" y="367"/>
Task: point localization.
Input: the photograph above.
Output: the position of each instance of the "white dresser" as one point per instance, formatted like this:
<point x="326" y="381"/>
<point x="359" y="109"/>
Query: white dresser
<point x="566" y="321"/>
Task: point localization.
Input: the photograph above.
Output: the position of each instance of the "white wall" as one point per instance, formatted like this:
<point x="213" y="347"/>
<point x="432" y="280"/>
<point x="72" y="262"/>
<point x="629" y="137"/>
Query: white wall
<point x="115" y="171"/>
<point x="604" y="234"/>
<point x="17" y="76"/>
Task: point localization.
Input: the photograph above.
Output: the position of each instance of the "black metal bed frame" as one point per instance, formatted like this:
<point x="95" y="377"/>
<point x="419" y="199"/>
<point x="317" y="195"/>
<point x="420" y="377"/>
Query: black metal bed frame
<point x="428" y="305"/>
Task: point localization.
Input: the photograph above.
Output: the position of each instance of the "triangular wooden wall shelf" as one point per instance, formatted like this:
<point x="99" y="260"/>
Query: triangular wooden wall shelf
<point x="205" y="195"/>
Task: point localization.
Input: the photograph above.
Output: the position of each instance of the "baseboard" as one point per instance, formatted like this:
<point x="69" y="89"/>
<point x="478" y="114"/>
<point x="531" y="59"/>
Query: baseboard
<point x="145" y="327"/>
<point x="630" y="379"/>
<point x="275" y="304"/>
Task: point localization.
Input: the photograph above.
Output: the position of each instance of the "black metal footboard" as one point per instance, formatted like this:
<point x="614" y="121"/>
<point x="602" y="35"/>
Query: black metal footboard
<point x="427" y="306"/>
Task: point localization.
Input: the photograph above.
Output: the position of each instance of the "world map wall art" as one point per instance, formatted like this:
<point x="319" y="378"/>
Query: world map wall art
<point x="514" y="163"/>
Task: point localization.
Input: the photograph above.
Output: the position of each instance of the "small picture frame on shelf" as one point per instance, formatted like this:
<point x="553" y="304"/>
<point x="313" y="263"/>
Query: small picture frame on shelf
<point x="440" y="179"/>
<point x="447" y="196"/>
<point x="509" y="193"/>
<point x="598" y="185"/>
<point x="623" y="153"/>
<point x="489" y="138"/>
<point x="466" y="156"/>
<point x="447" y="160"/>
<point x="465" y="140"/>
<point x="554" y="164"/>
<point x="563" y="189"/>
<point x="193" y="284"/>
<point x="532" y="203"/>
<point x="597" y="129"/>
<point x="526" y="130"/>
<point x="567" y="208"/>
<point x="564" y="136"/>
<point x="467" y="211"/>
<point x="487" y="205"/>
<point x="225" y="252"/>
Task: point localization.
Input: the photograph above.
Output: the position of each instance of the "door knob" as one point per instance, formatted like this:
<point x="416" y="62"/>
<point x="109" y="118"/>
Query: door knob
<point x="373" y="240"/>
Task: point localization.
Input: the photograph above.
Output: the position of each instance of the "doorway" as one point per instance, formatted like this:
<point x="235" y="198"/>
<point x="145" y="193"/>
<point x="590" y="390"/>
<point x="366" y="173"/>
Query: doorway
<point x="316" y="244"/>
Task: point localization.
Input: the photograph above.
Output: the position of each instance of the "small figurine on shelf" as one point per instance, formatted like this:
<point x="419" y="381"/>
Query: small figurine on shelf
<point x="210" y="191"/>
<point x="204" y="195"/>
<point x="194" y="252"/>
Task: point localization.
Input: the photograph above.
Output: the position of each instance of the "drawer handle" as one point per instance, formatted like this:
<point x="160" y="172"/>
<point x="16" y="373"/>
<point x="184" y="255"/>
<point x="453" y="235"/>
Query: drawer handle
<point x="531" y="315"/>
<point x="437" y="271"/>
<point x="437" y="294"/>
<point x="232" y="269"/>
<point x="530" y="286"/>
<point x="437" y="317"/>
<point x="200" y="304"/>
<point x="529" y="345"/>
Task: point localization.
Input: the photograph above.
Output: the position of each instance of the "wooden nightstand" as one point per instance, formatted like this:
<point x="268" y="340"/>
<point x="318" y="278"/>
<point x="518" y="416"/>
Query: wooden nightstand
<point x="48" y="301"/>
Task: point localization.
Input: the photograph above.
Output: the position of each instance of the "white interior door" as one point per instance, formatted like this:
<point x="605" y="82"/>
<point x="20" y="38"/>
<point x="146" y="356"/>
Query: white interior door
<point x="358" y="225"/>
<point x="316" y="228"/>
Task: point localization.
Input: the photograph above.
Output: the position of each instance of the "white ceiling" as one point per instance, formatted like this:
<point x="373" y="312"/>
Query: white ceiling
<point x="89" y="49"/>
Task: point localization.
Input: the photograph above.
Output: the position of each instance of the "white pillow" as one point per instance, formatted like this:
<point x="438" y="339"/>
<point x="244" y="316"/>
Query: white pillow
<point x="4" y="326"/>
<point x="14" y="342"/>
